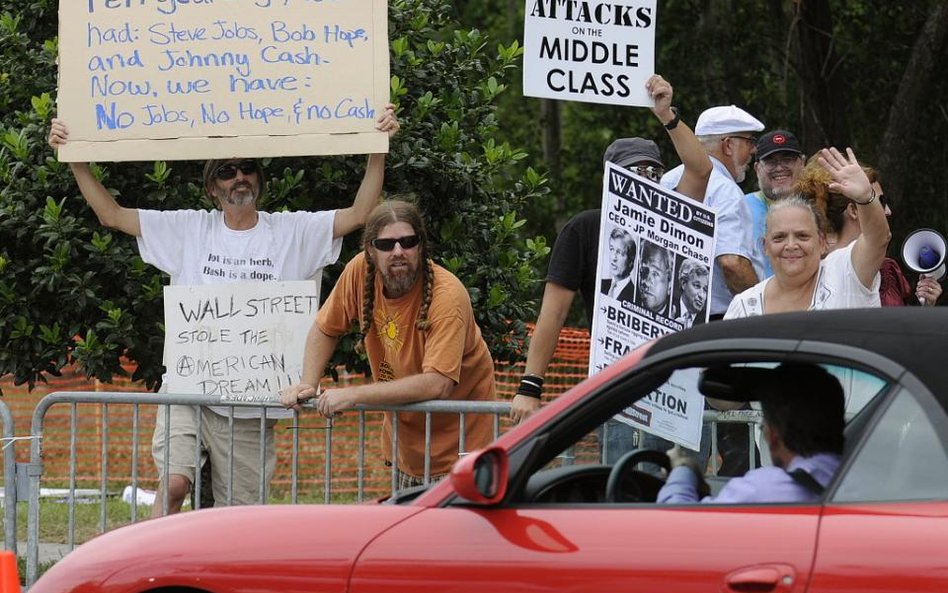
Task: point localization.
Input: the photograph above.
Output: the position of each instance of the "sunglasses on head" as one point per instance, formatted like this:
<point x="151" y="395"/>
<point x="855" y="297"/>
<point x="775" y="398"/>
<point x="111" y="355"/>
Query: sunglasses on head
<point x="407" y="242"/>
<point x="229" y="171"/>
<point x="649" y="172"/>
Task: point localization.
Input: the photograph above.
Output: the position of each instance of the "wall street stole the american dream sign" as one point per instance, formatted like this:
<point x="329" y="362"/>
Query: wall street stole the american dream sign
<point x="241" y="341"/>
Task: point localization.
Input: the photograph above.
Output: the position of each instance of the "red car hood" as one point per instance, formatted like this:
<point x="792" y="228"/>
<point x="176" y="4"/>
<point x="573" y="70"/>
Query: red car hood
<point x="249" y="549"/>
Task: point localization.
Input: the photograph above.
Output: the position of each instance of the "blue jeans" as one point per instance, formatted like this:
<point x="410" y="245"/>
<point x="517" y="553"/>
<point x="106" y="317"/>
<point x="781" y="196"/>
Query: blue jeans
<point x="620" y="438"/>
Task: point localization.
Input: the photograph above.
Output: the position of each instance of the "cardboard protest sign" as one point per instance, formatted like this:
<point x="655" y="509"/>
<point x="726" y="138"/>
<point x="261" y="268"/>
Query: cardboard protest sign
<point x="195" y="79"/>
<point x="656" y="253"/>
<point x="597" y="51"/>
<point x="241" y="341"/>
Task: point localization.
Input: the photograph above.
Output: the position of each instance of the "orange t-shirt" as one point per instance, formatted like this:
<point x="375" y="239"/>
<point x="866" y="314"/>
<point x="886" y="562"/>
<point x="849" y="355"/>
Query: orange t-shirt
<point x="452" y="346"/>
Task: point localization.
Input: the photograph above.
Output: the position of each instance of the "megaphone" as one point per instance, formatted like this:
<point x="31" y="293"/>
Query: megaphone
<point x="924" y="252"/>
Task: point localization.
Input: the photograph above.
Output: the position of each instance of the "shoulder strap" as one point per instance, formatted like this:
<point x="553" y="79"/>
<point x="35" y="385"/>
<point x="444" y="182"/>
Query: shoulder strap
<point x="803" y="478"/>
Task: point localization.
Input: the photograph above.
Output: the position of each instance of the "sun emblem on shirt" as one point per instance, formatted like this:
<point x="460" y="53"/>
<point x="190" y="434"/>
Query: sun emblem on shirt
<point x="389" y="332"/>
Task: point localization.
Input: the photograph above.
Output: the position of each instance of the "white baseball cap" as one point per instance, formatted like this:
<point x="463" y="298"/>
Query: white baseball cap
<point x="726" y="119"/>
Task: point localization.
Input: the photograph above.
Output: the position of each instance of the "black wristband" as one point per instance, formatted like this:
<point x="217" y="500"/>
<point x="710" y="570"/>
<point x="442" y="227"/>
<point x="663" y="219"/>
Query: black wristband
<point x="531" y="386"/>
<point x="674" y="122"/>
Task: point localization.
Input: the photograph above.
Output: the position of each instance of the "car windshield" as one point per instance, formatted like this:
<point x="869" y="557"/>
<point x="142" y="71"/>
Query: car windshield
<point x="708" y="413"/>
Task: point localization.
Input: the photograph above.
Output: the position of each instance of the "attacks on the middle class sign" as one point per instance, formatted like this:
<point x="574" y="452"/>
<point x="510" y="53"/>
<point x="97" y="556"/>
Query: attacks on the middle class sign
<point x="589" y="50"/>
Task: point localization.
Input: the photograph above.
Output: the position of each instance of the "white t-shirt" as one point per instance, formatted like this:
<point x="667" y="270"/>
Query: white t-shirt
<point x="195" y="247"/>
<point x="838" y="287"/>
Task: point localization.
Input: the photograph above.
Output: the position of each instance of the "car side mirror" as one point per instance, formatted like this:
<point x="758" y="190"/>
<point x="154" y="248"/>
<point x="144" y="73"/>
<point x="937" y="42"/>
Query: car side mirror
<point x="481" y="476"/>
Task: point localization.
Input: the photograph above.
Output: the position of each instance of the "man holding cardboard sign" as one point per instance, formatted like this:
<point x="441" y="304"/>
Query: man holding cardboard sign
<point x="236" y="242"/>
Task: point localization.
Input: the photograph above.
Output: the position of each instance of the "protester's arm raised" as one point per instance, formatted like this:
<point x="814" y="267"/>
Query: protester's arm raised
<point x="694" y="179"/>
<point x="850" y="180"/>
<point x="110" y="213"/>
<point x="553" y="311"/>
<point x="370" y="190"/>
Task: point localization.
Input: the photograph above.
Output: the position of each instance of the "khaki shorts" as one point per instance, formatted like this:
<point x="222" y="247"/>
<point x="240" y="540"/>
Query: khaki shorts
<point x="409" y="481"/>
<point x="215" y="444"/>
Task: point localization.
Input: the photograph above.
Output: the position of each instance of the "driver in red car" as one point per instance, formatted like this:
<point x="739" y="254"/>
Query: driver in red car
<point x="803" y="406"/>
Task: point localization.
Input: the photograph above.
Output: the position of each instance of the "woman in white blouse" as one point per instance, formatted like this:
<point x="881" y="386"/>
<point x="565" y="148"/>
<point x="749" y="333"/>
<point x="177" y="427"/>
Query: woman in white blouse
<point x="795" y="243"/>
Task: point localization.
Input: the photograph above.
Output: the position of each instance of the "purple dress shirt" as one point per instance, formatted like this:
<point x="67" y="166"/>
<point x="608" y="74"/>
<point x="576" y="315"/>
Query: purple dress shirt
<point x="764" y="484"/>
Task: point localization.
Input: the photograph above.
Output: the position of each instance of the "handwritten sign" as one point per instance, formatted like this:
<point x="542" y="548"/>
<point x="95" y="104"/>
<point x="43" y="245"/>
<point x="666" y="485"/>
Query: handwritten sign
<point x="194" y="79"/>
<point x="596" y="51"/>
<point x="239" y="341"/>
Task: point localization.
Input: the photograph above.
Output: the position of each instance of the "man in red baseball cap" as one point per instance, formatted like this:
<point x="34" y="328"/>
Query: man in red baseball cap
<point x="779" y="164"/>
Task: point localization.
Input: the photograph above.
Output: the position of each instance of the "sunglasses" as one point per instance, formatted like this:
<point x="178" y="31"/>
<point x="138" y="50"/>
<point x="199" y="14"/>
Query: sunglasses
<point x="649" y="172"/>
<point x="229" y="171"/>
<point x="407" y="242"/>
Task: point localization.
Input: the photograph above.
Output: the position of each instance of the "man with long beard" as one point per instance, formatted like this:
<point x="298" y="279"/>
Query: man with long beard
<point x="235" y="242"/>
<point x="418" y="330"/>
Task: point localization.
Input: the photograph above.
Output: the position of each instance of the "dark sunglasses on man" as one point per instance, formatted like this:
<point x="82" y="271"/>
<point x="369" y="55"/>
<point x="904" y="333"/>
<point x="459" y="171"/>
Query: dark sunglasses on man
<point x="229" y="171"/>
<point x="407" y="242"/>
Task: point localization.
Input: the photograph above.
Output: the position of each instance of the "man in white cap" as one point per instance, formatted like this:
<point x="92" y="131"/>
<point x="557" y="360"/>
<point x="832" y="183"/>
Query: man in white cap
<point x="728" y="136"/>
<point x="778" y="166"/>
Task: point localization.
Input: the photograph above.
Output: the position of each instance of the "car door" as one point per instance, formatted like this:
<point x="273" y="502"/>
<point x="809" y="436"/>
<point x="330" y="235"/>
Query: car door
<point x="886" y="527"/>
<point x="575" y="541"/>
<point x="584" y="548"/>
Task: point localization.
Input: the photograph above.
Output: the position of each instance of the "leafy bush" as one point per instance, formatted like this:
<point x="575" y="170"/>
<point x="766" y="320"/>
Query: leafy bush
<point x="73" y="291"/>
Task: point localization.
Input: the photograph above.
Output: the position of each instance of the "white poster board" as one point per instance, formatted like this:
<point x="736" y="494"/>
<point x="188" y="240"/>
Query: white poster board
<point x="596" y="51"/>
<point x="651" y="239"/>
<point x="241" y="341"/>
<point x="196" y="79"/>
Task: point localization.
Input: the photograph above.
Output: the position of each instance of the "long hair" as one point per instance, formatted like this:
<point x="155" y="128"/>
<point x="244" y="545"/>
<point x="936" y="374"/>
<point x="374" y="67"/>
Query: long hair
<point x="386" y="213"/>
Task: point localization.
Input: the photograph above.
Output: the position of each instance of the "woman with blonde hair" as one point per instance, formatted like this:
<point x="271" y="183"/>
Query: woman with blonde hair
<point x="795" y="241"/>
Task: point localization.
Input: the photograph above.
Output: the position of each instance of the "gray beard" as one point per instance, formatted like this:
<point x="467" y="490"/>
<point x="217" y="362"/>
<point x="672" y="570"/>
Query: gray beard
<point x="398" y="285"/>
<point x="240" y="198"/>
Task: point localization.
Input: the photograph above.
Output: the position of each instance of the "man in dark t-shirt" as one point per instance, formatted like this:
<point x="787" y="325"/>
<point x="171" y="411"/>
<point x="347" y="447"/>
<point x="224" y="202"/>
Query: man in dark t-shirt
<point x="575" y="253"/>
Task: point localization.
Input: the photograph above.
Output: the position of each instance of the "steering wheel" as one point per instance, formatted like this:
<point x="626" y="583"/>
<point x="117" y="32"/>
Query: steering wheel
<point x="625" y="483"/>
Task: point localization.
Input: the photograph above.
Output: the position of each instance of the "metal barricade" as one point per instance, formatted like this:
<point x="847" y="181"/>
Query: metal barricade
<point x="105" y="429"/>
<point x="751" y="418"/>
<point x="9" y="478"/>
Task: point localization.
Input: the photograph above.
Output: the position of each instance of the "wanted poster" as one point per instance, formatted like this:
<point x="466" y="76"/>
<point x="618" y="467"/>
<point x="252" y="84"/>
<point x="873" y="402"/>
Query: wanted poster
<point x="656" y="250"/>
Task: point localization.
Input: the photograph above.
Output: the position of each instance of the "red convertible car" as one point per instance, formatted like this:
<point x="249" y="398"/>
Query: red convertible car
<point x="538" y="511"/>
